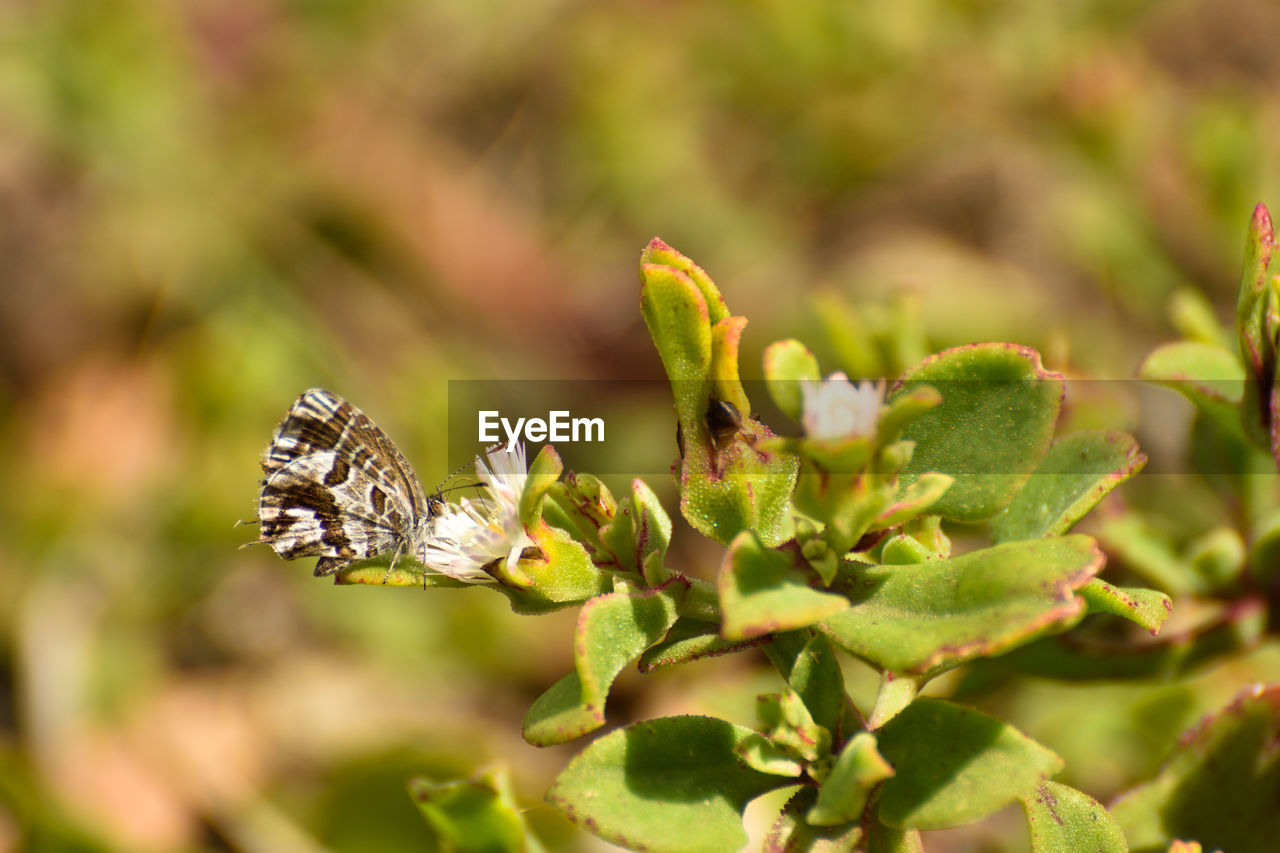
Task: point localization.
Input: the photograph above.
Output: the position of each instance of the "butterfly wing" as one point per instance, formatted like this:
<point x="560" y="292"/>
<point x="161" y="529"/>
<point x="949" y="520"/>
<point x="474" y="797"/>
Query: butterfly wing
<point x="336" y="487"/>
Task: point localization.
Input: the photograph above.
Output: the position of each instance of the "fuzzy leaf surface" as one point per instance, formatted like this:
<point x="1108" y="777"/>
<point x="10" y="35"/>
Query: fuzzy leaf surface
<point x="690" y="640"/>
<point x="954" y="765"/>
<point x="676" y="313"/>
<point x="671" y="784"/>
<point x="1257" y="317"/>
<point x="763" y="590"/>
<point x="927" y="616"/>
<point x="1145" y="607"/>
<point x="638" y="536"/>
<point x="817" y="680"/>
<point x="1066" y="658"/>
<point x="791" y="833"/>
<point x="1063" y="818"/>
<point x="844" y="792"/>
<point x="559" y="575"/>
<point x="612" y="631"/>
<point x="1210" y="377"/>
<point x="723" y="490"/>
<point x="914" y="500"/>
<point x="659" y="253"/>
<point x="999" y="406"/>
<point x="786" y="364"/>
<point x="1220" y="787"/>
<point x="1079" y="470"/>
<point x="479" y="815"/>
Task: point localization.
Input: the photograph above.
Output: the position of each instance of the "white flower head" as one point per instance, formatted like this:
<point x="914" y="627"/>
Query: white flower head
<point x="467" y="536"/>
<point x="835" y="408"/>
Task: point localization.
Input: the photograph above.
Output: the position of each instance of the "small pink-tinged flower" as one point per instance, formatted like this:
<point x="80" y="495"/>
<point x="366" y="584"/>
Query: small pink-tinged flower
<point x="835" y="408"/>
<point x="470" y="535"/>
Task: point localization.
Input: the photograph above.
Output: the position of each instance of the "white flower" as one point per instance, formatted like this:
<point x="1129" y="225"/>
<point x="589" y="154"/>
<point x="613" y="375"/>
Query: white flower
<point x="467" y="536"/>
<point x="836" y="408"/>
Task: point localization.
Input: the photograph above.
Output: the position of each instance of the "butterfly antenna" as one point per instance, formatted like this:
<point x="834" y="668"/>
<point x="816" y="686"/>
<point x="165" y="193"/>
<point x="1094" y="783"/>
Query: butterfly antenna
<point x="456" y="486"/>
<point x="441" y="490"/>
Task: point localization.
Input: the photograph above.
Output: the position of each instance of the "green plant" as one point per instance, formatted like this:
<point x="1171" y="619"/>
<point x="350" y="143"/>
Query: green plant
<point x="840" y="538"/>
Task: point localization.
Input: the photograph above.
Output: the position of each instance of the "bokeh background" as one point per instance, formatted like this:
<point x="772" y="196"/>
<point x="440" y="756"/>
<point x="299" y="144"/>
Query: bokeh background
<point x="207" y="206"/>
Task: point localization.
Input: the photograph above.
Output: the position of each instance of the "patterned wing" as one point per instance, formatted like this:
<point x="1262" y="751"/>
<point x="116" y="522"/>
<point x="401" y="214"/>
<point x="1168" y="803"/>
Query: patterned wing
<point x="336" y="487"/>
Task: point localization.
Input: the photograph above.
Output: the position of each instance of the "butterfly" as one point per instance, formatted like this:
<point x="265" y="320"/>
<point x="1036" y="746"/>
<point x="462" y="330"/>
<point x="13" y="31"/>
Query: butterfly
<point x="336" y="487"/>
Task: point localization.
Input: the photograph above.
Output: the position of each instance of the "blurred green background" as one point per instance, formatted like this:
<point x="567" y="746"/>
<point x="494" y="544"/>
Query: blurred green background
<point x="207" y="206"/>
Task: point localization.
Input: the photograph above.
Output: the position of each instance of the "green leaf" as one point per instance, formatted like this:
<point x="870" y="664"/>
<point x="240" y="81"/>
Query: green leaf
<point x="670" y="784"/>
<point x="1211" y="377"/>
<point x="1205" y="374"/>
<point x="763" y="590"/>
<point x="612" y="631"/>
<point x="581" y="504"/>
<point x="785" y="648"/>
<point x="850" y="334"/>
<point x="638" y="536"/>
<point x="914" y="500"/>
<point x="904" y="337"/>
<point x="726" y="334"/>
<point x="660" y="254"/>
<point x="887" y="839"/>
<point x="1251" y="303"/>
<point x="844" y="792"/>
<point x="1218" y="556"/>
<point x="830" y="492"/>
<point x="560" y="574"/>
<point x="1063" y="818"/>
<point x="1233" y="464"/>
<point x="1238" y="630"/>
<point x="786" y="365"/>
<point x="1193" y="315"/>
<point x="1264" y="554"/>
<point x="816" y="678"/>
<point x="761" y="753"/>
<point x="1150" y="554"/>
<point x="752" y="491"/>
<point x="927" y="530"/>
<point x="822" y="559"/>
<point x="955" y="765"/>
<point x="895" y="693"/>
<point x="476" y="816"/>
<point x="999" y="407"/>
<point x="652" y="533"/>
<point x="1220" y="787"/>
<point x="901" y="409"/>
<point x="923" y="617"/>
<point x="742" y="485"/>
<point x="676" y="314"/>
<point x="408" y="572"/>
<point x="904" y="550"/>
<point x="1145" y="607"/>
<point x="791" y="833"/>
<point x="690" y="640"/>
<point x="544" y="471"/>
<point x="1077" y="472"/>
<point x="1256" y="322"/>
<point x="786" y="721"/>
